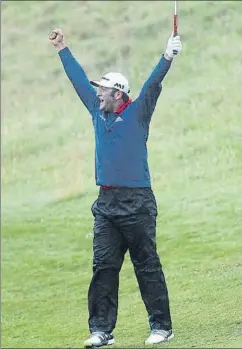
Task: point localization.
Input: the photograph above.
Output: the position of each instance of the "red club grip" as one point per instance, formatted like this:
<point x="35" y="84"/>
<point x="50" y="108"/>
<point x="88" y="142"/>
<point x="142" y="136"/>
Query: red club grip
<point x="175" y="25"/>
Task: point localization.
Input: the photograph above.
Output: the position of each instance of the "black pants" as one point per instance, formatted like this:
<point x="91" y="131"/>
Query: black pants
<point x="125" y="219"/>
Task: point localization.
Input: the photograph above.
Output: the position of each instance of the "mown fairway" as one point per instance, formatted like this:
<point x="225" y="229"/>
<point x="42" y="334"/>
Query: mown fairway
<point x="48" y="187"/>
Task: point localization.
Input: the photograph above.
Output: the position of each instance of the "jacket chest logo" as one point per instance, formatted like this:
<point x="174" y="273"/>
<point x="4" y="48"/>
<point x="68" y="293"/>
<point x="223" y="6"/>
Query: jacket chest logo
<point x="118" y="119"/>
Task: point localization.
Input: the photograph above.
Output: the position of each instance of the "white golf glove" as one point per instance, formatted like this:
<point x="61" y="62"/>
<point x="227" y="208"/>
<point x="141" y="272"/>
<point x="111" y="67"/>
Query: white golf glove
<point x="174" y="46"/>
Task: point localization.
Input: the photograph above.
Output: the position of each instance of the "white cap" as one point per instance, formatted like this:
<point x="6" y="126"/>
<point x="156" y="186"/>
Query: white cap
<point x="113" y="80"/>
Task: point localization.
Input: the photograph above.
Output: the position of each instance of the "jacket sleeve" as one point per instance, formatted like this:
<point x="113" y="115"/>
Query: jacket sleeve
<point x="79" y="80"/>
<point x="151" y="90"/>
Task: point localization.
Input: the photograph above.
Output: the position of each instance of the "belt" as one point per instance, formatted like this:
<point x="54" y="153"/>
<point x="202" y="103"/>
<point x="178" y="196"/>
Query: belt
<point x="107" y="187"/>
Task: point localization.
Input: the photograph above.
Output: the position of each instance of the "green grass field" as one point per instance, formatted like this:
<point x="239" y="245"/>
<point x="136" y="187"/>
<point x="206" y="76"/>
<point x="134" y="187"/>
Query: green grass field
<point x="48" y="186"/>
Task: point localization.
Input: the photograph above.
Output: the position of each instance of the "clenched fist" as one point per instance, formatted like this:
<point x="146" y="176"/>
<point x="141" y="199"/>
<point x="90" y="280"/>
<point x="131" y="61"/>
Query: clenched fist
<point x="56" y="37"/>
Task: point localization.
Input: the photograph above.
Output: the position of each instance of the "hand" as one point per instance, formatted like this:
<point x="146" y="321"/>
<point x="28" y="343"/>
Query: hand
<point x="174" y="46"/>
<point x="56" y="37"/>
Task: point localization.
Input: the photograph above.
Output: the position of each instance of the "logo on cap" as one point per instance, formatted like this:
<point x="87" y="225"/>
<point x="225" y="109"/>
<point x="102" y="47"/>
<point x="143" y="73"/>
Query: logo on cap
<point x="119" y="86"/>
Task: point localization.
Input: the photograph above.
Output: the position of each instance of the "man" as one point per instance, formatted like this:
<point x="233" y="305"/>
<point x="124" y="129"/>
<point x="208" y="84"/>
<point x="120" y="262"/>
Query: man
<point x="125" y="210"/>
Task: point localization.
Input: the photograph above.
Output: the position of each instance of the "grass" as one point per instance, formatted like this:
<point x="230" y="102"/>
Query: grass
<point x="48" y="184"/>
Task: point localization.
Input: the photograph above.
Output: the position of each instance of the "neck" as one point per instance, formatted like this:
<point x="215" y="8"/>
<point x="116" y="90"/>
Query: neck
<point x="118" y="104"/>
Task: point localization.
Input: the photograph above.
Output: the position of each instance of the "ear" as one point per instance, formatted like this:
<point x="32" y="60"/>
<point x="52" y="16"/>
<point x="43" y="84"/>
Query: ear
<point x="118" y="95"/>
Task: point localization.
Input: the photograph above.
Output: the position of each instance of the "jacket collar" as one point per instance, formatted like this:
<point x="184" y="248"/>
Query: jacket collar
<point x="122" y="107"/>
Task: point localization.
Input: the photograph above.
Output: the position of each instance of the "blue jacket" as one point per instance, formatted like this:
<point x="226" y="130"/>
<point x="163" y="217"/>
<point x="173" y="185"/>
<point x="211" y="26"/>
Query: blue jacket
<point x="121" y="151"/>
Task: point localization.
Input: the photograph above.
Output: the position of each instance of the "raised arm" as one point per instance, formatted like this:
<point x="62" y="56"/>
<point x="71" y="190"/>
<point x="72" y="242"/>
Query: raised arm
<point x="74" y="71"/>
<point x="151" y="89"/>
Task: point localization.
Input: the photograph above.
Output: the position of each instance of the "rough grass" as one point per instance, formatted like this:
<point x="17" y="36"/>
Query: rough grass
<point x="48" y="185"/>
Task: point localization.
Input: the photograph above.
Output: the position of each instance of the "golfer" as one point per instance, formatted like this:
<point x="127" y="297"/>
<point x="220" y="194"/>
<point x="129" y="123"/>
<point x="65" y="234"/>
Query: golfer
<point x="125" y="211"/>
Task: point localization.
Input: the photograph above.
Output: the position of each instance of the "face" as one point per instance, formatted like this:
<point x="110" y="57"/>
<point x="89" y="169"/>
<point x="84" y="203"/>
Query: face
<point x="108" y="100"/>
